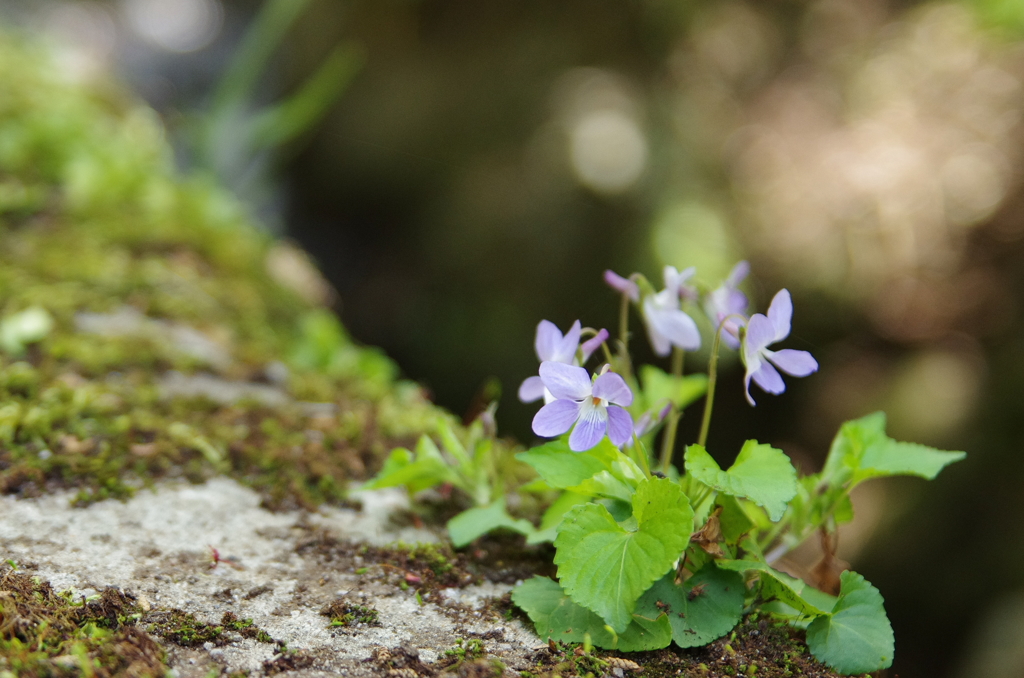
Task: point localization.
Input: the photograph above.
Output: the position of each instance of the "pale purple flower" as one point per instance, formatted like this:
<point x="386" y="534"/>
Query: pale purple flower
<point x="667" y="325"/>
<point x="762" y="332"/>
<point x="623" y="285"/>
<point x="593" y="407"/>
<point x="650" y="419"/>
<point x="551" y="346"/>
<point x="726" y="300"/>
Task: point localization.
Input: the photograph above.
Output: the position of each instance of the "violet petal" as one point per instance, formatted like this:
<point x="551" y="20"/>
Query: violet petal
<point x="547" y="341"/>
<point x="760" y="333"/>
<point x="659" y="342"/>
<point x="566" y="351"/>
<point x="644" y="424"/>
<point x="738" y="273"/>
<point x="675" y="326"/>
<point x="769" y="379"/>
<point x="794" y="362"/>
<point x="612" y="387"/>
<point x="623" y="285"/>
<point x="531" y="389"/>
<point x="555" y="418"/>
<point x="590" y="427"/>
<point x="735" y="302"/>
<point x="590" y="345"/>
<point x="565" y="381"/>
<point x="746" y="386"/>
<point x="620" y="425"/>
<point x="780" y="312"/>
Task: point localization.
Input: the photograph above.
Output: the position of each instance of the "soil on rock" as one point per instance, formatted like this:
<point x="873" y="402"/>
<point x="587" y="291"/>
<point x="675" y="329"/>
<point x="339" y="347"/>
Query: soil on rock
<point x="332" y="592"/>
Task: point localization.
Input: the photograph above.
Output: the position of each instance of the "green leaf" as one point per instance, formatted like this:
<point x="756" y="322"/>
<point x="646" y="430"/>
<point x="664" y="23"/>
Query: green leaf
<point x="451" y="443"/>
<point x="659" y="386"/>
<point x="426" y="468"/>
<point x="856" y="637"/>
<point x="556" y="616"/>
<point x="474" y="522"/>
<point x="861" y="450"/>
<point x="734" y="521"/>
<point x="703" y="608"/>
<point x="561" y="467"/>
<point x="552" y="518"/>
<point x="600" y="471"/>
<point x="761" y="473"/>
<point x="789" y="590"/>
<point x="606" y="567"/>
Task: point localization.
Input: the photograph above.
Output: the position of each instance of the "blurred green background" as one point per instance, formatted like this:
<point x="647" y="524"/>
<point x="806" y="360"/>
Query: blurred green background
<point x="460" y="170"/>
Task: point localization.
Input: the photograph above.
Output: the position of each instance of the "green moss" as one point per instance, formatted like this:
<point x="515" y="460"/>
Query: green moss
<point x="245" y="627"/>
<point x="143" y="272"/>
<point x="466" y="650"/>
<point x="182" y="628"/>
<point x="45" y="633"/>
<point x="426" y="566"/>
<point x="469" y="658"/>
<point x="344" y="613"/>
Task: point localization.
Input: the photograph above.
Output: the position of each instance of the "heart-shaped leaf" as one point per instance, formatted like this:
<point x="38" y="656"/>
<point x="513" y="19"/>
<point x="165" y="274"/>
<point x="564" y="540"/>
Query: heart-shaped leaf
<point x="856" y="637"/>
<point x="605" y="567"/>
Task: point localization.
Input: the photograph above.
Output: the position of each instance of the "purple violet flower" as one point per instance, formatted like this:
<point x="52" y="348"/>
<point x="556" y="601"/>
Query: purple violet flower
<point x="593" y="407"/>
<point x="551" y="346"/>
<point x="622" y="285"/>
<point x="667" y="325"/>
<point x="762" y="332"/>
<point x="726" y="300"/>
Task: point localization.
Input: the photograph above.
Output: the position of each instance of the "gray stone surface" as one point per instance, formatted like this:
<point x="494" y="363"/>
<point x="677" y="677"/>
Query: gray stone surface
<point x="158" y="547"/>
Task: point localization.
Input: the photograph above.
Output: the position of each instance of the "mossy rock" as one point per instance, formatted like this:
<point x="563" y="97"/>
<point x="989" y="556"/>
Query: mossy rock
<point x="148" y="329"/>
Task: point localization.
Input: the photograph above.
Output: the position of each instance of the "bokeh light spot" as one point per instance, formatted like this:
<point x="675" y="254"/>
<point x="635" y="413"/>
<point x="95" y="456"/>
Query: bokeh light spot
<point x="608" y="151"/>
<point x="178" y="26"/>
<point x="693" y="234"/>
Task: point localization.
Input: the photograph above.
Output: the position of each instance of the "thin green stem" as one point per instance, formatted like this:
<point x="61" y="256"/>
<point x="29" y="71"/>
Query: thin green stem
<point x="712" y="379"/>
<point x="668" y="441"/>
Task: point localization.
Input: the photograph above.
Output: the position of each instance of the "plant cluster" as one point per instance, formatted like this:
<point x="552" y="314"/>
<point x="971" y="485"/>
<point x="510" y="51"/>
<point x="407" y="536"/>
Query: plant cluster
<point x="649" y="553"/>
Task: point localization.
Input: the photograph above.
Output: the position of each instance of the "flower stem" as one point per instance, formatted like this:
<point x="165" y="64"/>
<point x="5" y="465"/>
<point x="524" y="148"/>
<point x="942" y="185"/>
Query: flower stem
<point x="712" y="378"/>
<point x="704" y="494"/>
<point x="625" y="369"/>
<point x="668" y="441"/>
